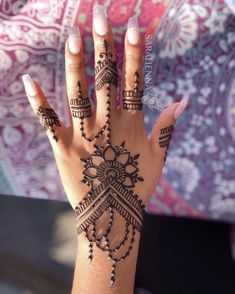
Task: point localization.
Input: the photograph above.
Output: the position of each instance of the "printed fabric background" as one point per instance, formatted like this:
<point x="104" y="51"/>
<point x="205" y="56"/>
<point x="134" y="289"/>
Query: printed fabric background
<point x="191" y="48"/>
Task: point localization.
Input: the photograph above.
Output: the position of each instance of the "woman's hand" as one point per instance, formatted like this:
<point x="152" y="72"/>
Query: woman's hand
<point x="122" y="124"/>
<point x="105" y="158"/>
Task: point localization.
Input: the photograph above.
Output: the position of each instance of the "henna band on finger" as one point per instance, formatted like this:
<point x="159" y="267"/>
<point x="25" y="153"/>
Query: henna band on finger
<point x="48" y="119"/>
<point x="165" y="138"/>
<point x="132" y="99"/>
<point x="80" y="107"/>
<point x="105" y="76"/>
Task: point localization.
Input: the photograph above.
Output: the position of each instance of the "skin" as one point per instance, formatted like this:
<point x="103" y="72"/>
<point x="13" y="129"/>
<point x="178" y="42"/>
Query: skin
<point x="126" y="125"/>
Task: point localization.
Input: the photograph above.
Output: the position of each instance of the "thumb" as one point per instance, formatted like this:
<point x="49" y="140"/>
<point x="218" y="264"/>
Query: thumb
<point x="160" y="136"/>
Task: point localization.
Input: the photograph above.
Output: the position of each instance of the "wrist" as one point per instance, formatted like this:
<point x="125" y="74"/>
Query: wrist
<point x="98" y="262"/>
<point x="96" y="274"/>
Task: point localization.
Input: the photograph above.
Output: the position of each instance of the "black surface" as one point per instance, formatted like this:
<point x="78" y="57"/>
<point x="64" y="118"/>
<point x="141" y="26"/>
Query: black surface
<point x="26" y="238"/>
<point x="180" y="256"/>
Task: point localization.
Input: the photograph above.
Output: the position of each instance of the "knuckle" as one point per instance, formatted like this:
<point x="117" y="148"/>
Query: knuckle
<point x="74" y="66"/>
<point x="99" y="47"/>
<point x="133" y="57"/>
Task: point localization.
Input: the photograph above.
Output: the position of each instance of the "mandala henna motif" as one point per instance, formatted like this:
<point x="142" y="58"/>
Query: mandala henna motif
<point x="132" y="99"/>
<point x="48" y="119"/>
<point x="165" y="138"/>
<point x="111" y="173"/>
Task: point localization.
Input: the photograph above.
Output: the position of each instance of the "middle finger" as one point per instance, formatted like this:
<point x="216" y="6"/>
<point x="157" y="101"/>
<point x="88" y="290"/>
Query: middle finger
<point x="106" y="78"/>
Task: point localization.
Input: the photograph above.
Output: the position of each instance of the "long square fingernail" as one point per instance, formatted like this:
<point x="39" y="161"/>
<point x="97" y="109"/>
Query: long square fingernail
<point x="181" y="107"/>
<point x="74" y="40"/>
<point x="100" y="22"/>
<point x="29" y="85"/>
<point x="133" y="33"/>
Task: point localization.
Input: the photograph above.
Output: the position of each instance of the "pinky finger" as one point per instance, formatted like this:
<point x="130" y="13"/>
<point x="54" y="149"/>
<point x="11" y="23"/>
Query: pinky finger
<point x="45" y="114"/>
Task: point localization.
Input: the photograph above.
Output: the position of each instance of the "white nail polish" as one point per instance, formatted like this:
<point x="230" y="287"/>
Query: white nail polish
<point x="29" y="85"/>
<point x="181" y="107"/>
<point x="74" y="40"/>
<point x="133" y="32"/>
<point x="100" y="22"/>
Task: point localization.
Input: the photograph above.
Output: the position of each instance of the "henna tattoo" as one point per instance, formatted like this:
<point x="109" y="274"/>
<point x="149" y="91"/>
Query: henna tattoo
<point x="106" y="74"/>
<point x="165" y="137"/>
<point x="106" y="69"/>
<point x="132" y="99"/>
<point x="111" y="172"/>
<point x="80" y="107"/>
<point x="48" y="119"/>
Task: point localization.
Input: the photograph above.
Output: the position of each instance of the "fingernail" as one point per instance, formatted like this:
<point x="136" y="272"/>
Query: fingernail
<point x="181" y="107"/>
<point x="133" y="32"/>
<point x="99" y="20"/>
<point x="74" y="40"/>
<point x="29" y="85"/>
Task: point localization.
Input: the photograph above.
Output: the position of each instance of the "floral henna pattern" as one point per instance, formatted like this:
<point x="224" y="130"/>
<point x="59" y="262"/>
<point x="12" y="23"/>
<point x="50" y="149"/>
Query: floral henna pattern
<point x="111" y="162"/>
<point x="111" y="174"/>
<point x="165" y="138"/>
<point x="48" y="119"/>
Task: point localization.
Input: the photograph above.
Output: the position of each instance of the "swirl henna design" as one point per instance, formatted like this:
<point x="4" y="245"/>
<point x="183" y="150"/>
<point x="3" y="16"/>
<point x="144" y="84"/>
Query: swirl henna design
<point x="111" y="174"/>
<point x="132" y="99"/>
<point x="165" y="138"/>
<point x="48" y="119"/>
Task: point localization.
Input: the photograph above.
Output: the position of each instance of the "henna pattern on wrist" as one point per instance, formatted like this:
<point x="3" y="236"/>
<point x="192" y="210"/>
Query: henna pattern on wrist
<point x="48" y="119"/>
<point x="165" y="138"/>
<point x="111" y="173"/>
<point x="132" y="99"/>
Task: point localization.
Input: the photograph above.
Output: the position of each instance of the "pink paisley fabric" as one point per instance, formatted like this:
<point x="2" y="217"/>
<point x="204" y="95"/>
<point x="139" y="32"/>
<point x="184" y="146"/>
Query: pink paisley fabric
<point x="192" y="50"/>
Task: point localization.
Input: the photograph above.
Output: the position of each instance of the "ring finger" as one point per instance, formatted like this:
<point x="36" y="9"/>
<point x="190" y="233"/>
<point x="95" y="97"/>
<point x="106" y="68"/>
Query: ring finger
<point x="132" y="77"/>
<point x="105" y="64"/>
<point x="76" y="84"/>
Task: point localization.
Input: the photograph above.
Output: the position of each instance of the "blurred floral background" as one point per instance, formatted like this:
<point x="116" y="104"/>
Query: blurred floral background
<point x="189" y="48"/>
